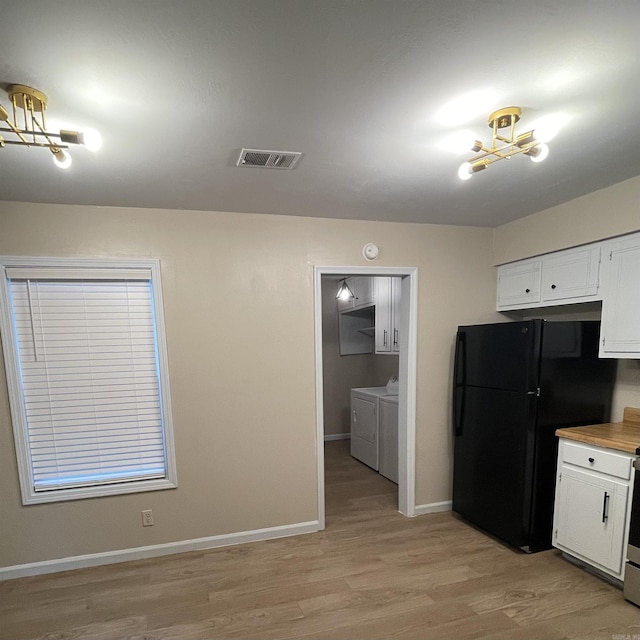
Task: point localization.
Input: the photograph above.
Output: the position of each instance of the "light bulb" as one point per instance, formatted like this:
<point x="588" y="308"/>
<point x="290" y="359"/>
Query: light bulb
<point x="542" y="153"/>
<point x="92" y="139"/>
<point x="61" y="159"/>
<point x="344" y="292"/>
<point x="465" y="171"/>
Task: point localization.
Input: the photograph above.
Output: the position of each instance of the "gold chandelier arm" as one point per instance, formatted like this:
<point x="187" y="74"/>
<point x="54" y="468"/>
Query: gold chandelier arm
<point x="12" y="128"/>
<point x="29" y="125"/>
<point x="499" y="152"/>
<point x="44" y="133"/>
<point x="503" y="146"/>
<point x="510" y="140"/>
<point x="29" y="144"/>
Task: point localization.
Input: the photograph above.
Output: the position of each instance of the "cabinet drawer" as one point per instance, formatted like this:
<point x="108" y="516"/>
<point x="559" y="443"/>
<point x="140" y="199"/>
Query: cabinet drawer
<point x="597" y="459"/>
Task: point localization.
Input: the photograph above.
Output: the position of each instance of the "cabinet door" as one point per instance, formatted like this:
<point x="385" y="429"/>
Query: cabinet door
<point x="620" y="329"/>
<point x="355" y="332"/>
<point x="388" y="439"/>
<point x="590" y="517"/>
<point x="364" y="430"/>
<point x="396" y="290"/>
<point x="387" y="296"/>
<point x="384" y="337"/>
<point x="571" y="274"/>
<point x="362" y="287"/>
<point x="519" y="284"/>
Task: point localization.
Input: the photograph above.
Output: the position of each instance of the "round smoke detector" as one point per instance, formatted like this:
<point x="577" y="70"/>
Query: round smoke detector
<point x="370" y="251"/>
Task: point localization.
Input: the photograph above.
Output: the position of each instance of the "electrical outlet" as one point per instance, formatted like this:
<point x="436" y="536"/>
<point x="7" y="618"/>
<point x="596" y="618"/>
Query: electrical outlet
<point x="147" y="518"/>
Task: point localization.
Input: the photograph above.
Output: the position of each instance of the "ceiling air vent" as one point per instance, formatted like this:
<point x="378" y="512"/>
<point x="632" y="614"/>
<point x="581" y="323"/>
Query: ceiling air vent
<point x="268" y="159"/>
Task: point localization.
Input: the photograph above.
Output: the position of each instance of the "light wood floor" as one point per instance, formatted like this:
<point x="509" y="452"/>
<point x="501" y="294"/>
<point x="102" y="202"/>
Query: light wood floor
<point x="371" y="574"/>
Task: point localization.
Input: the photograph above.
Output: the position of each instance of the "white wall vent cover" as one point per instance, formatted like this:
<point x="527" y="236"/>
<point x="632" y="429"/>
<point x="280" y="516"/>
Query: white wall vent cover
<point x="268" y="159"/>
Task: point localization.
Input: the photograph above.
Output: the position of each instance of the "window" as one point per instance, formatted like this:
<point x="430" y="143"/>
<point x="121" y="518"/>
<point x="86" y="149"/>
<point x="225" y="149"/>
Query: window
<point x="86" y="366"/>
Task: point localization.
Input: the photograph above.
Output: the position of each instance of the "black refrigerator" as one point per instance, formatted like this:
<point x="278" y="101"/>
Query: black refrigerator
<point x="515" y="383"/>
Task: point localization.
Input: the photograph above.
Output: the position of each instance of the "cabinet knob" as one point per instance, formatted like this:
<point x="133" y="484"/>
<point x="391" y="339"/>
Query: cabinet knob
<point x="592" y="460"/>
<point x="527" y="290"/>
<point x="553" y="286"/>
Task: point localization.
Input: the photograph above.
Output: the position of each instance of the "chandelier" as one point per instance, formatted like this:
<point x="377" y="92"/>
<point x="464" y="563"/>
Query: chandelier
<point x="503" y="145"/>
<point x="29" y="128"/>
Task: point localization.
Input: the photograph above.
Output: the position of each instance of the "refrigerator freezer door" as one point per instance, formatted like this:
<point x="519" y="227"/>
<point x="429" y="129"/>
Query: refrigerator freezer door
<point x="491" y="479"/>
<point x="575" y="384"/>
<point x="499" y="356"/>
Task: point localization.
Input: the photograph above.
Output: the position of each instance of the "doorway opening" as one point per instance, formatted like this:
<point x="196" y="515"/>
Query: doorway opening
<point x="407" y="345"/>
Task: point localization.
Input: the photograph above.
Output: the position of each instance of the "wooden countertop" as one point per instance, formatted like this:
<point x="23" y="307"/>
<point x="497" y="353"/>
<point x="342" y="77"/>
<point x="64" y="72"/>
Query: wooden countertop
<point x="622" y="436"/>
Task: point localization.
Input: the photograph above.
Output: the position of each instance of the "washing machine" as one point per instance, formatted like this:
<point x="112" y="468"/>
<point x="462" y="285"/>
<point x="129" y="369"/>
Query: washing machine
<point x="365" y="424"/>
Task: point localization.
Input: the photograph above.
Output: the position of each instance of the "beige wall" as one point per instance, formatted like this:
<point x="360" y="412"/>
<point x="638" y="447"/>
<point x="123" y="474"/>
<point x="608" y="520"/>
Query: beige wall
<point x="342" y="373"/>
<point x="602" y="214"/>
<point x="627" y="390"/>
<point x="597" y="216"/>
<point x="238" y="292"/>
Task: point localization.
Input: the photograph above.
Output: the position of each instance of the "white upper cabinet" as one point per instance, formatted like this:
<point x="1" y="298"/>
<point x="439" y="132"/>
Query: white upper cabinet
<point x="362" y="288"/>
<point x="356" y="317"/>
<point x="607" y="271"/>
<point x="519" y="284"/>
<point x="387" y="296"/>
<point x="557" y="278"/>
<point x="620" y="329"/>
<point x="571" y="274"/>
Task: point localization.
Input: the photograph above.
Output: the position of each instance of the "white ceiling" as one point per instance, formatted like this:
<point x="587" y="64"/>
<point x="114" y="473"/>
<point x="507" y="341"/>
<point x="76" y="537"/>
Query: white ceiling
<point x="178" y="87"/>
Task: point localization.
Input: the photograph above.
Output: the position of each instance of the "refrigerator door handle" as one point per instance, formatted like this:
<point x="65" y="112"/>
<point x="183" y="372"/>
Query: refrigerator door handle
<point x="460" y="382"/>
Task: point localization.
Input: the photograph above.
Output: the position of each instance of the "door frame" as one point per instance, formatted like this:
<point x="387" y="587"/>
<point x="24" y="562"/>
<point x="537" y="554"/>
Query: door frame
<point x="406" y="373"/>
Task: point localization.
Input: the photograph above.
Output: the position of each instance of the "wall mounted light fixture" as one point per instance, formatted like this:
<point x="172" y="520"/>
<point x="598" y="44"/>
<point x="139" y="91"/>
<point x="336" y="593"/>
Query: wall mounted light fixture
<point x="503" y="145"/>
<point x="344" y="291"/>
<point x="29" y="128"/>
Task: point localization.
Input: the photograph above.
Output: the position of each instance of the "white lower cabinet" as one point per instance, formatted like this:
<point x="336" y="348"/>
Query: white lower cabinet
<point x="592" y="505"/>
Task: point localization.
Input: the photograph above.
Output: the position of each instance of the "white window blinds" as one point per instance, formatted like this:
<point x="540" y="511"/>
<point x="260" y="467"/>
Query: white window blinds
<point x="87" y="355"/>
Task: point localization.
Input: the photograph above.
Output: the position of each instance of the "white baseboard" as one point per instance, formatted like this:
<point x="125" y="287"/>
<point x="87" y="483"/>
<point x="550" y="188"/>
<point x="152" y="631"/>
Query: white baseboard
<point x="434" y="507"/>
<point x="139" y="553"/>
<point x="337" y="436"/>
